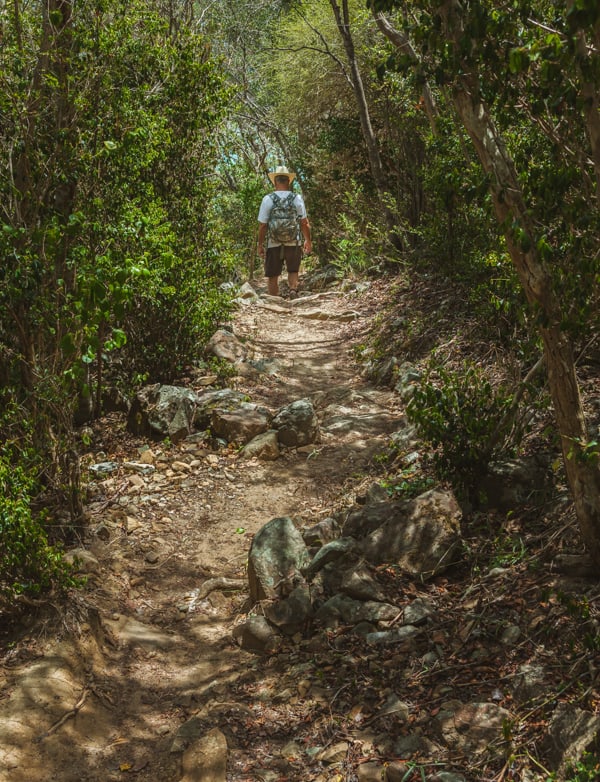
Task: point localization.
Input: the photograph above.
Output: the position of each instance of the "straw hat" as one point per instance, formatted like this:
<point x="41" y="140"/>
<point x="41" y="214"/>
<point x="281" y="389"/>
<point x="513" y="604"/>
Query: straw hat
<point x="281" y="171"/>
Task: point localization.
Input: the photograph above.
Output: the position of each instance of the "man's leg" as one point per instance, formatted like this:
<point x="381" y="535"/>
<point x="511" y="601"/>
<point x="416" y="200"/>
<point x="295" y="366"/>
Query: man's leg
<point x="293" y="280"/>
<point x="293" y="259"/>
<point x="273" y="268"/>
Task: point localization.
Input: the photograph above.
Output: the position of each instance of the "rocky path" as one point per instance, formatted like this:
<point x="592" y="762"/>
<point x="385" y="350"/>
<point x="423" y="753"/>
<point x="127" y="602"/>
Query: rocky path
<point x="138" y="674"/>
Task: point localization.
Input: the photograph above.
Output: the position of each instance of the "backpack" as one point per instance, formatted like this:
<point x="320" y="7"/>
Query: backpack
<point x="283" y="220"/>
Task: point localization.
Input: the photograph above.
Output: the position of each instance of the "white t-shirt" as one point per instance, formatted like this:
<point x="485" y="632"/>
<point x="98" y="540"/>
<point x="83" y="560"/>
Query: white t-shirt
<point x="267" y="204"/>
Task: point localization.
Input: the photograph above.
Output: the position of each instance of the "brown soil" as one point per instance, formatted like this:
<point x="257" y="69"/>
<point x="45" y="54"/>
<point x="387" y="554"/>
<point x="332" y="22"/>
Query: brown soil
<point x="99" y="687"/>
<point x="122" y="676"/>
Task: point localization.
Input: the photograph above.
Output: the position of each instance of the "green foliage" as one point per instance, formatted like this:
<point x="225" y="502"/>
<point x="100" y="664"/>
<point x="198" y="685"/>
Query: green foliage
<point x="28" y="562"/>
<point x="459" y="413"/>
<point x="585" y="770"/>
<point x="409" y="482"/>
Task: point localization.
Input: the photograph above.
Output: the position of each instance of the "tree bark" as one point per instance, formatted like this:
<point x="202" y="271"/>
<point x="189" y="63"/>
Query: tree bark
<point x="342" y="18"/>
<point x="583" y="474"/>
<point x="400" y="41"/>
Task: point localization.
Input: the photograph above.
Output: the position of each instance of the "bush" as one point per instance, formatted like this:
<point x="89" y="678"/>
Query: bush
<point x="460" y="414"/>
<point x="28" y="562"/>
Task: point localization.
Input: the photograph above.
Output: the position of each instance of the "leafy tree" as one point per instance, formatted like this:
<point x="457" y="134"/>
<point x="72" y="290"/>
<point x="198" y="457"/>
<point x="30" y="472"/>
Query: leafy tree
<point x="108" y="123"/>
<point x="525" y="86"/>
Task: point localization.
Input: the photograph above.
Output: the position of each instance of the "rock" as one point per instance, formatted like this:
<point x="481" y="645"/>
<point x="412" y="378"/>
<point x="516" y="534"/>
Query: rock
<point x="530" y="682"/>
<point x="416" y="745"/>
<point x="330" y="552"/>
<point x="407" y="379"/>
<point x="404" y="636"/>
<point x="162" y="411"/>
<point x="423" y="541"/>
<point x="396" y="771"/>
<point x="102" y="469"/>
<point x="361" y="521"/>
<point x="277" y="556"/>
<point x="334" y="754"/>
<point x="190" y="731"/>
<point x="572" y="733"/>
<point x="255" y="634"/>
<point x="291" y="614"/>
<point x="223" y="344"/>
<point x="223" y="399"/>
<point x="319" y="314"/>
<point x="323" y="532"/>
<point x="240" y="425"/>
<point x="370" y="772"/>
<point x="206" y="760"/>
<point x="393" y="705"/>
<point x="417" y="612"/>
<point x="247" y="292"/>
<point x="296" y="424"/>
<point x="341" y="609"/>
<point x="472" y="728"/>
<point x="360" y="584"/>
<point x="511" y="483"/>
<point x="319" y="279"/>
<point x="264" y="446"/>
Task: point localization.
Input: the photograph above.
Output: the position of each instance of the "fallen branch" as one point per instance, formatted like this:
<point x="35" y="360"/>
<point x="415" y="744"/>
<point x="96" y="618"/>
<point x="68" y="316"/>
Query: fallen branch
<point x="67" y="716"/>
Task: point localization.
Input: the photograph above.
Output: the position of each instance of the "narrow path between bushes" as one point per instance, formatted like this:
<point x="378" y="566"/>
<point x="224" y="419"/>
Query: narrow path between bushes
<point x="141" y="664"/>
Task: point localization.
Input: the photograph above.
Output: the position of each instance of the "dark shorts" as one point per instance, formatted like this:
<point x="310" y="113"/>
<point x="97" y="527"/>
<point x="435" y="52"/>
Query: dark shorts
<point x="292" y="255"/>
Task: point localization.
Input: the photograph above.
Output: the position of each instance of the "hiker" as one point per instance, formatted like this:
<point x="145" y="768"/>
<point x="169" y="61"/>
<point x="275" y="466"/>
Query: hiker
<point x="283" y="222"/>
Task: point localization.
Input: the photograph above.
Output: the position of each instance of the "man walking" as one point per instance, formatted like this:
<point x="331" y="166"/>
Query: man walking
<point x="283" y="222"/>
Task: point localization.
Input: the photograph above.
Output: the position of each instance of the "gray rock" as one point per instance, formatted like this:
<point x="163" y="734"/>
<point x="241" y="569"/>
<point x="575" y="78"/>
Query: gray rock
<point x="417" y="612"/>
<point x="162" y="411"/>
<point x="257" y="635"/>
<point x="341" y="609"/>
<point x="571" y="734"/>
<point x="223" y="344"/>
<point x="530" y="682"/>
<point x="264" y="446"/>
<point x="223" y="399"/>
<point x="330" y="552"/>
<point x="323" y="532"/>
<point x="423" y="541"/>
<point x="277" y="556"/>
<point x="472" y="728"/>
<point x="206" y="759"/>
<point x="297" y="424"/>
<point x="511" y="483"/>
<point x="366" y="519"/>
<point x="360" y="584"/>
<point x="293" y="613"/>
<point x="241" y="425"/>
<point x="405" y="636"/>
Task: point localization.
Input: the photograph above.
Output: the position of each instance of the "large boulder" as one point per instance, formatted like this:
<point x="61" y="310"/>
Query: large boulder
<point x="240" y="425"/>
<point x="163" y="411"/>
<point x="423" y="540"/>
<point x="297" y="424"/>
<point x="264" y="446"/>
<point x="277" y="557"/>
<point x="225" y="399"/>
<point x="223" y="344"/>
<point x="511" y="483"/>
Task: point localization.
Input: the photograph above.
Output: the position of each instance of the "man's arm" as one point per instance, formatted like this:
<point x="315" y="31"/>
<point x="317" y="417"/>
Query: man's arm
<point x="305" y="228"/>
<point x="262" y="232"/>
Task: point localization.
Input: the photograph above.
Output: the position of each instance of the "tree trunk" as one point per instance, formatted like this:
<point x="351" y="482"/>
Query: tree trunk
<point x="400" y="41"/>
<point x="582" y="471"/>
<point x="342" y="18"/>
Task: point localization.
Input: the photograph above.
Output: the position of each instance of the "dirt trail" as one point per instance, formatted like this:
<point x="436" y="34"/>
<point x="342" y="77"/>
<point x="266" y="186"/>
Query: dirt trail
<point x="136" y="666"/>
